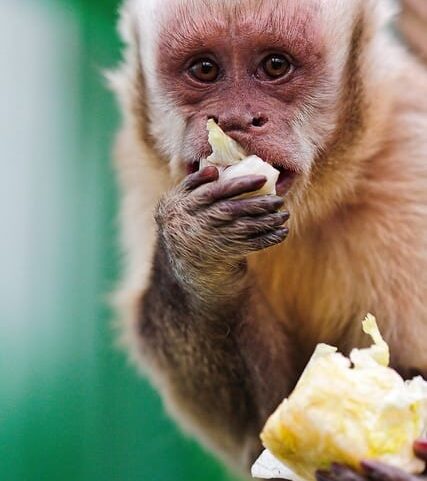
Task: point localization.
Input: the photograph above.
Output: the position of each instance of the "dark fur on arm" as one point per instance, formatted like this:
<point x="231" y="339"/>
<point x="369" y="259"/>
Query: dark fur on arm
<point x="195" y="345"/>
<point x="201" y="325"/>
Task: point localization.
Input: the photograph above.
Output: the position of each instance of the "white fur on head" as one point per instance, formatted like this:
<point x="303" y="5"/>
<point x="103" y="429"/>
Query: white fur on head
<point x="140" y="23"/>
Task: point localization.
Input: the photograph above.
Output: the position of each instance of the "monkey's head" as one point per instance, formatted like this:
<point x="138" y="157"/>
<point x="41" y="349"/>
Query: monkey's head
<point x="293" y="81"/>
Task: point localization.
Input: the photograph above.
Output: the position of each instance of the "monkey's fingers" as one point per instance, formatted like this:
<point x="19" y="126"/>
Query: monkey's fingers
<point x="203" y="176"/>
<point x="372" y="471"/>
<point x="324" y="475"/>
<point x="265" y="241"/>
<point x="225" y="189"/>
<point x="339" y="472"/>
<point x="420" y="448"/>
<point x="255" y="234"/>
<point x="377" y="471"/>
<point x="249" y="227"/>
<point x="229" y="210"/>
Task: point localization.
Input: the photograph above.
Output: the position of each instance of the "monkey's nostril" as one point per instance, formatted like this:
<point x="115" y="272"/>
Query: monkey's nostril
<point x="259" y="121"/>
<point x="214" y="118"/>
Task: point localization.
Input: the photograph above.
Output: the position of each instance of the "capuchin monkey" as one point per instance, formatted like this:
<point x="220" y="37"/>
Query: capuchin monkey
<point x="223" y="298"/>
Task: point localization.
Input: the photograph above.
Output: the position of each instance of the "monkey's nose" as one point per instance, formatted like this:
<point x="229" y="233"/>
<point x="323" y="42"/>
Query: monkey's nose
<point x="229" y="122"/>
<point x="259" y="121"/>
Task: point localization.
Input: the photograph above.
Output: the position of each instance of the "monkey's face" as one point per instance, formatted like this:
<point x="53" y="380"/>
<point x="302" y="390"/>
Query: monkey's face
<point x="270" y="72"/>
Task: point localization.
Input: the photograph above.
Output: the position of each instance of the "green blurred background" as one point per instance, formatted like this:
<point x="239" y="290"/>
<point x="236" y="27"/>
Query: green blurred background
<point x="71" y="407"/>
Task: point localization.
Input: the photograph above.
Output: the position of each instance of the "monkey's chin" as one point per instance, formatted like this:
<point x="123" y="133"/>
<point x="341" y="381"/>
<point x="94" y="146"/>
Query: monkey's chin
<point x="285" y="180"/>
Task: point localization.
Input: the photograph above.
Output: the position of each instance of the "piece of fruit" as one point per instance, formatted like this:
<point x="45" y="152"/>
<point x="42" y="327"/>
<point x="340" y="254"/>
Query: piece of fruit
<point x="231" y="161"/>
<point x="349" y="409"/>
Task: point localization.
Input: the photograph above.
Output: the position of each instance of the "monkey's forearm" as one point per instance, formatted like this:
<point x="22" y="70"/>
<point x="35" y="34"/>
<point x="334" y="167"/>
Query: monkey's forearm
<point x="198" y="324"/>
<point x="193" y="343"/>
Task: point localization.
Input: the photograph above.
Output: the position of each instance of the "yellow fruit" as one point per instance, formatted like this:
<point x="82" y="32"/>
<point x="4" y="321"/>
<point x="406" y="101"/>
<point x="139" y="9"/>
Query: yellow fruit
<point x="348" y="409"/>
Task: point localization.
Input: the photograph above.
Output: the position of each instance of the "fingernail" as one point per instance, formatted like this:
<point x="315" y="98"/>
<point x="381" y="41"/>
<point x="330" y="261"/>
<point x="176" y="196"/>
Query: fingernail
<point x="278" y="202"/>
<point x="208" y="171"/>
<point x="285" y="216"/>
<point x="421" y="443"/>
<point x="259" y="179"/>
<point x="420" y="448"/>
<point x="283" y="231"/>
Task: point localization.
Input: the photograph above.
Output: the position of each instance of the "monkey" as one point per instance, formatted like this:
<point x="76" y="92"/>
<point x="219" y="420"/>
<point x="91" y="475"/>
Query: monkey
<point x="223" y="299"/>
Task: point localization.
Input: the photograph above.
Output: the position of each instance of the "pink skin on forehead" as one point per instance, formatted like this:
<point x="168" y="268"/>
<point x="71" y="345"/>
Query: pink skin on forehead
<point x="251" y="24"/>
<point x="238" y="34"/>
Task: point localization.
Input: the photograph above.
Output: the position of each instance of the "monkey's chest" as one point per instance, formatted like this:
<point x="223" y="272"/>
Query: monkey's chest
<point x="315" y="297"/>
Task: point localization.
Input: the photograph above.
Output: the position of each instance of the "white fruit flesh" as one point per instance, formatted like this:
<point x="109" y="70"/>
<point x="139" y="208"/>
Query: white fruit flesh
<point x="231" y="161"/>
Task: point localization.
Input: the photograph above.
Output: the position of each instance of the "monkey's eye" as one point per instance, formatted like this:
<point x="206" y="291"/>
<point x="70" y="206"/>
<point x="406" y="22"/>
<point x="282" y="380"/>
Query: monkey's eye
<point x="204" y="70"/>
<point x="276" y="65"/>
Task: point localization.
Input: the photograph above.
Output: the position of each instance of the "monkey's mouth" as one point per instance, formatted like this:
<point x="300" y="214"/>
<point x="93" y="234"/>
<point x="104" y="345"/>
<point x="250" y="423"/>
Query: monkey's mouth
<point x="285" y="180"/>
<point x="283" y="184"/>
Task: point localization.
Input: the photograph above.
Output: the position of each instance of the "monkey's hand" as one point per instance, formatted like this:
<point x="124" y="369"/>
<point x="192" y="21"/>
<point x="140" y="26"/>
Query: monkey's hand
<point x="374" y="471"/>
<point x="207" y="232"/>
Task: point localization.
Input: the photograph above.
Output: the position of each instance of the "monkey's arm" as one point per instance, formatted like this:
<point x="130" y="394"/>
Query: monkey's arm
<point x="193" y="344"/>
<point x="198" y="307"/>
